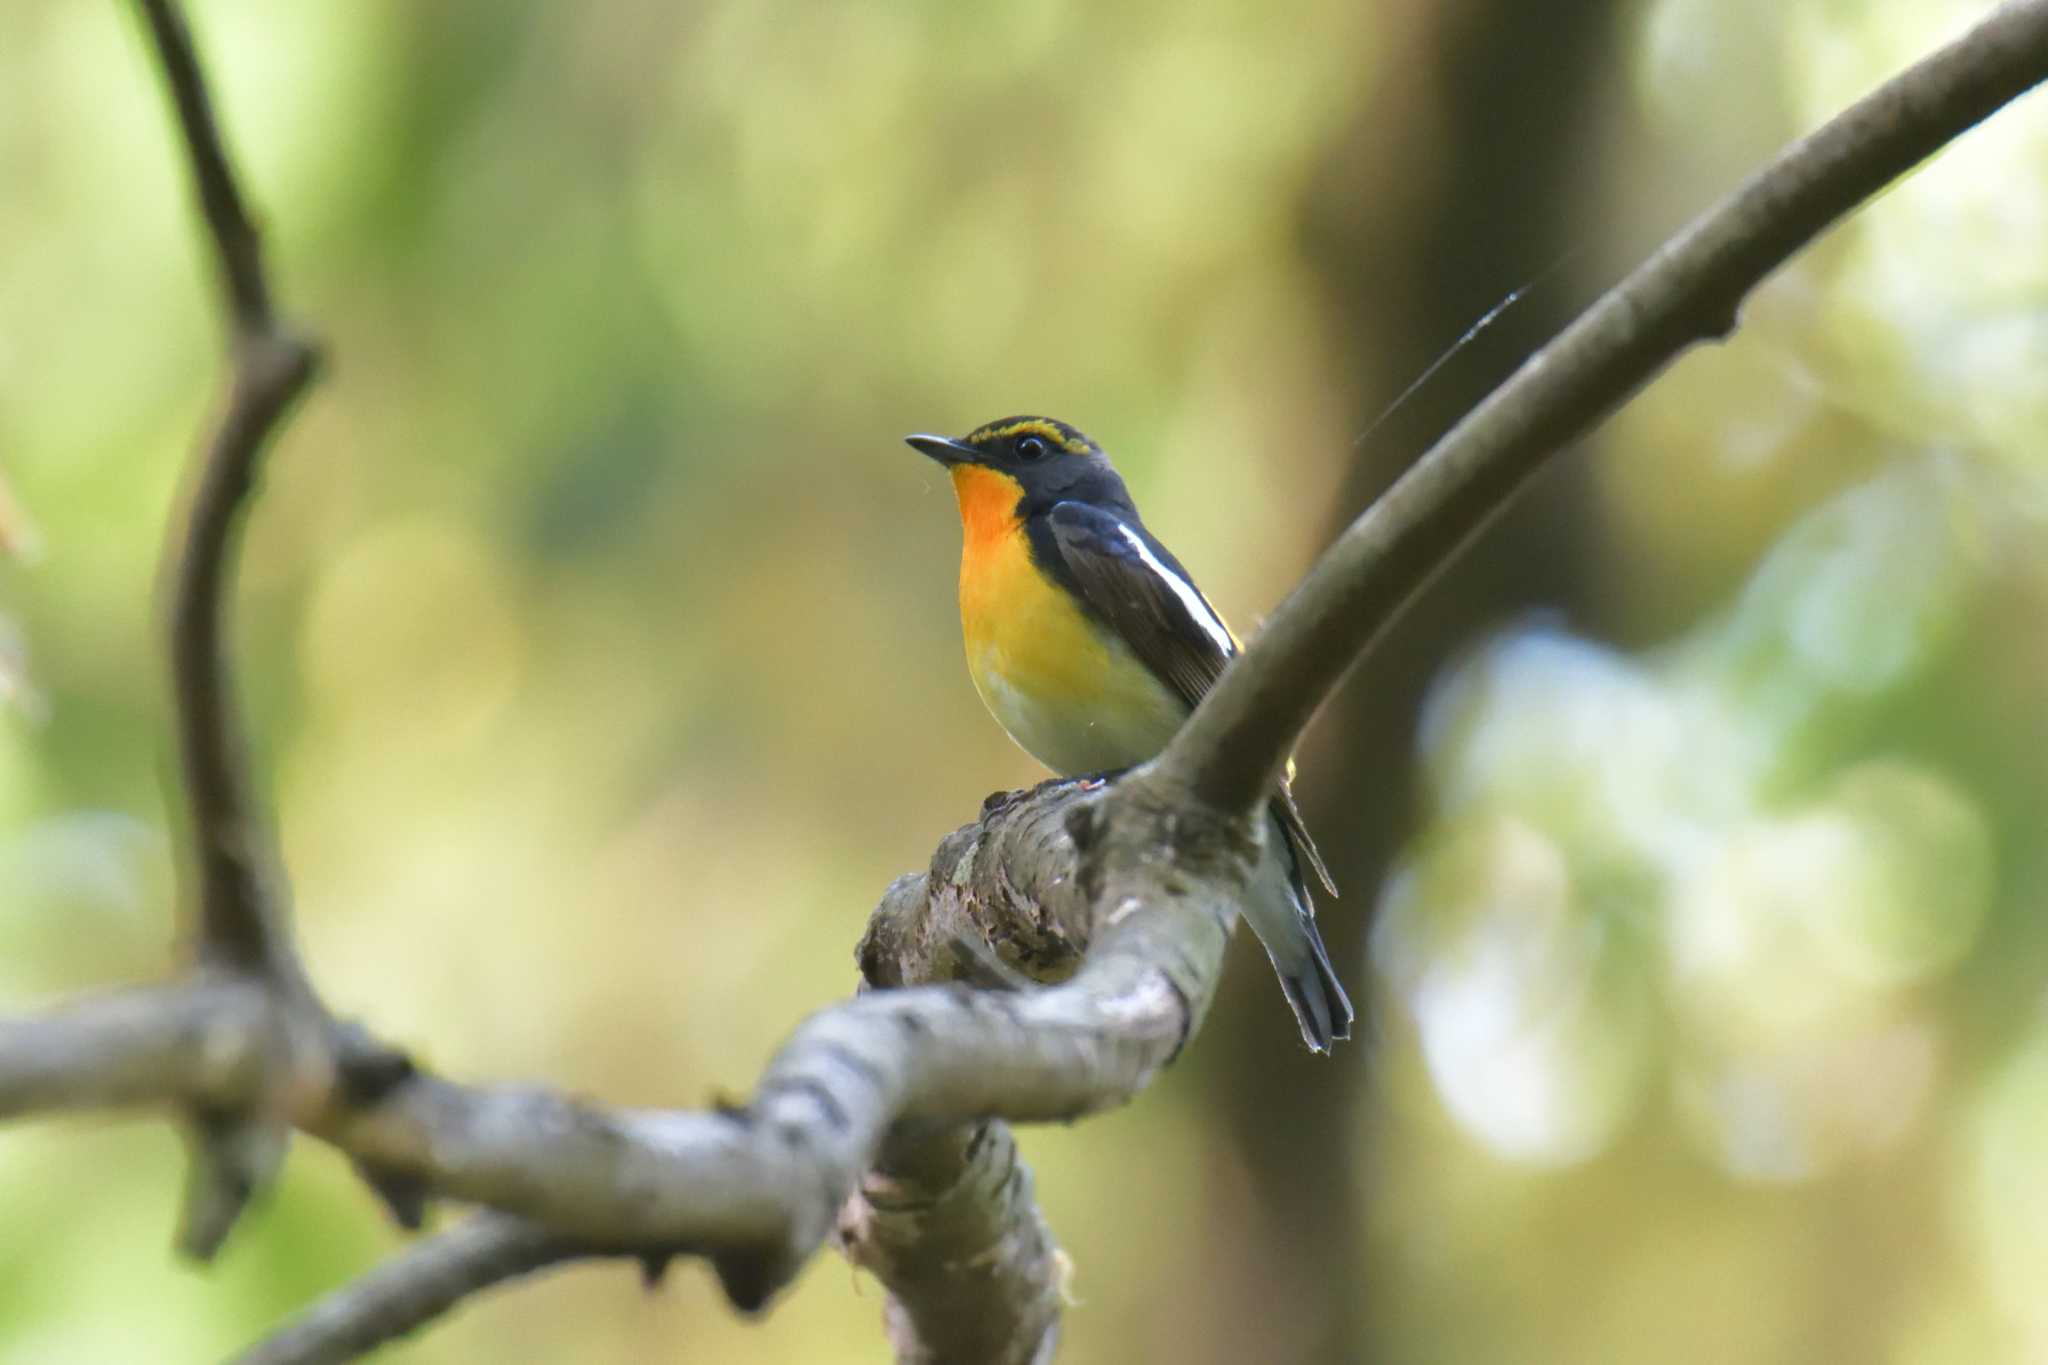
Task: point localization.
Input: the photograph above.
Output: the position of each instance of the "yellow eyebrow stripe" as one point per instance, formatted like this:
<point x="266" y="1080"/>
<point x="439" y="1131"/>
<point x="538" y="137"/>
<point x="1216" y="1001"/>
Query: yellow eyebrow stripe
<point x="1046" y="431"/>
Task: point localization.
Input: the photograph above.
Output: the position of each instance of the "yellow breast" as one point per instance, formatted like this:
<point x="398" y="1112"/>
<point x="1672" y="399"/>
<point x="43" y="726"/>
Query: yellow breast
<point x="1071" y="694"/>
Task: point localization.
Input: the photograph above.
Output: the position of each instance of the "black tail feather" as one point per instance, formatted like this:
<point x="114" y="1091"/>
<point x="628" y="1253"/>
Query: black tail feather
<point x="1321" y="1007"/>
<point x="1310" y="982"/>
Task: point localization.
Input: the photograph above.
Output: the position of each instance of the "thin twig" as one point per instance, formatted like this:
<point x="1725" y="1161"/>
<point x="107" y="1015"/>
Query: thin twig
<point x="235" y="892"/>
<point x="234" y="232"/>
<point x="413" y="1288"/>
<point x="1230" y="754"/>
<point x="240" y="919"/>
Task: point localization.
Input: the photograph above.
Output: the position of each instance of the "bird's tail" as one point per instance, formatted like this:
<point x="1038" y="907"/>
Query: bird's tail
<point x="1286" y="925"/>
<point x="1320" y="1006"/>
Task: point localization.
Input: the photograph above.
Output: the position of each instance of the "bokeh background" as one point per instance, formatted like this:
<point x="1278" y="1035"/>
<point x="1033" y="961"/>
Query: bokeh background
<point x="600" y="641"/>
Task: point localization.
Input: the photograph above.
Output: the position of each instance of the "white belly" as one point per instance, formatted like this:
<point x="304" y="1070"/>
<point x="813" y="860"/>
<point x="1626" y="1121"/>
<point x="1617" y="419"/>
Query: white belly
<point x="1122" y="724"/>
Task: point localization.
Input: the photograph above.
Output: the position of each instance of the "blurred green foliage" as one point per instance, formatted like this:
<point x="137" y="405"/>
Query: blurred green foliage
<point x="599" y="638"/>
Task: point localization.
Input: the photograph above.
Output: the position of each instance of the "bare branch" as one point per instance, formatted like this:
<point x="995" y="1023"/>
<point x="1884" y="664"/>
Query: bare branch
<point x="757" y="1189"/>
<point x="194" y="1044"/>
<point x="240" y="250"/>
<point x="1129" y="894"/>
<point x="1231" y="752"/>
<point x="411" y="1289"/>
<point x="946" y="1220"/>
<point x="238" y="911"/>
<point x="239" y="917"/>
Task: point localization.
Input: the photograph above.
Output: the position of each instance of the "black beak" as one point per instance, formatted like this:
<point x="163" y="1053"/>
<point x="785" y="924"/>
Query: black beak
<point x="944" y="449"/>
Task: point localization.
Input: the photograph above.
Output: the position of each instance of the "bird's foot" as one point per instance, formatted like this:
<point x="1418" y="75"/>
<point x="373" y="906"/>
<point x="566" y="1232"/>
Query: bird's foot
<point x="1089" y="782"/>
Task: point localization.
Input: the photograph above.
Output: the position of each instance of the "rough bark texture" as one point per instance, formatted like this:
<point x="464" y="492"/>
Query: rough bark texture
<point x="895" y="1080"/>
<point x="945" y="1219"/>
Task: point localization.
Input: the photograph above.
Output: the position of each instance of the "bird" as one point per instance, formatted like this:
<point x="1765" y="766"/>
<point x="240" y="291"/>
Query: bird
<point x="1090" y="645"/>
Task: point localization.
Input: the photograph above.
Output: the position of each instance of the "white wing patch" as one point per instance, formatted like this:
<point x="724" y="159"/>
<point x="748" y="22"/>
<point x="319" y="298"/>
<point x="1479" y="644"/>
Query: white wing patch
<point x="1185" y="591"/>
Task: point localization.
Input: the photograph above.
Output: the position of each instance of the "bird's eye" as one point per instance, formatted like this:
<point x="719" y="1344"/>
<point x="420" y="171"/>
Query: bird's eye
<point x="1030" y="448"/>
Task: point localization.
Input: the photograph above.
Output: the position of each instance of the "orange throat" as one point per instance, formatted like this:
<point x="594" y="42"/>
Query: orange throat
<point x="1071" y="694"/>
<point x="995" y="558"/>
<point x="988" y="505"/>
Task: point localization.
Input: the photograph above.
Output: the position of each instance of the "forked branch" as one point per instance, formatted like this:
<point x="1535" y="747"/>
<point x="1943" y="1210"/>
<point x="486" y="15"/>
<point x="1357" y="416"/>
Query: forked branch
<point x="234" y="894"/>
<point x="1123" y="899"/>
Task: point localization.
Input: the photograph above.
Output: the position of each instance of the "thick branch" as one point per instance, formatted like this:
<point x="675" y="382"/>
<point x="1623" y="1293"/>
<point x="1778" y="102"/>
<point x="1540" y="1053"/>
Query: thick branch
<point x="947" y="1221"/>
<point x="758" y="1189"/>
<point x="196" y="1043"/>
<point x="1231" y="753"/>
<point x="946" y="1218"/>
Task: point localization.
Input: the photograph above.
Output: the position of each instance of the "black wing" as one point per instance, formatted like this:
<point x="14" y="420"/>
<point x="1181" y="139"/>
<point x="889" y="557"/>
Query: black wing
<point x="1136" y="585"/>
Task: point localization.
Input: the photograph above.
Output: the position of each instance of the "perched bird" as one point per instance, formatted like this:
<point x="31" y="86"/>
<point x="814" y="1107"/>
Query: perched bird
<point x="1090" y="645"/>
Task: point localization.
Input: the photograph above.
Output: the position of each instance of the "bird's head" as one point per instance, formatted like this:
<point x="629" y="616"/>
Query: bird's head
<point x="1014" y="467"/>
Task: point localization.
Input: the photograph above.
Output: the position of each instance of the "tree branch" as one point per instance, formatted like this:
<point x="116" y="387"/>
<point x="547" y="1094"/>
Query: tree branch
<point x="239" y="248"/>
<point x="1230" y="754"/>
<point x="1124" y="897"/>
<point x="192" y="1043"/>
<point x="412" y="1289"/>
<point x="236" y="898"/>
<point x="946" y="1220"/>
<point x="240" y="919"/>
<point x="757" y="1189"/>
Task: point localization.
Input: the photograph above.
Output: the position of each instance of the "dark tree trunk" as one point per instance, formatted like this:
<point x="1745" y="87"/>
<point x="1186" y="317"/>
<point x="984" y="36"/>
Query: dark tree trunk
<point x="1460" y="180"/>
